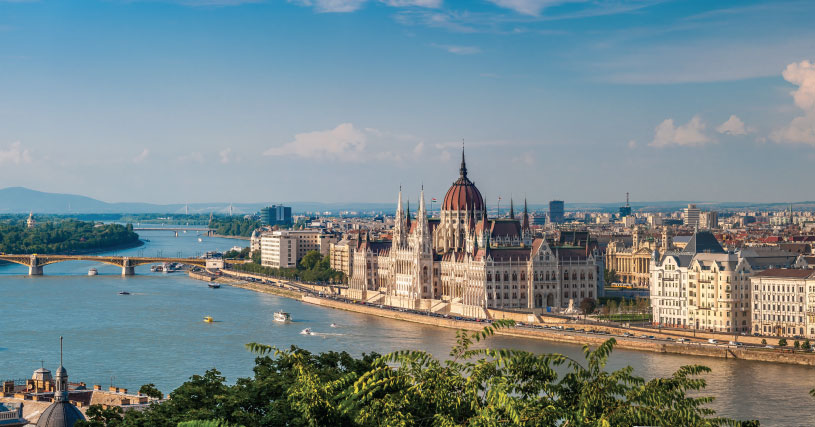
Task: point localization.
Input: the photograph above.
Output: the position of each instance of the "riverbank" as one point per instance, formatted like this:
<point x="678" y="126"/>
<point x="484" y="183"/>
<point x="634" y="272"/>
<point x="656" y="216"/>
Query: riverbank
<point x="230" y="237"/>
<point x="658" y="344"/>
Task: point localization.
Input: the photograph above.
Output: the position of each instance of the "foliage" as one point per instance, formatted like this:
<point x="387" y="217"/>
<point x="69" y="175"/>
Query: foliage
<point x="763" y="341"/>
<point x="610" y="276"/>
<point x="98" y="416"/>
<point x="806" y="345"/>
<point x="242" y="254"/>
<point x="475" y="386"/>
<point x="796" y="345"/>
<point x="151" y="391"/>
<point x="200" y="423"/>
<point x="63" y="237"/>
<point x="782" y="342"/>
<point x="588" y="305"/>
<point x="314" y="267"/>
<point x="233" y="226"/>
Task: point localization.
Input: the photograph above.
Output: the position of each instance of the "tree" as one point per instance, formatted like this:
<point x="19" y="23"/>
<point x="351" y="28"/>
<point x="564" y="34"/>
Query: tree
<point x="151" y="391"/>
<point x="612" y="307"/>
<point x="796" y="345"/>
<point x="610" y="276"/>
<point x="782" y="342"/>
<point x="473" y="386"/>
<point x="588" y="305"/>
<point x="763" y="341"/>
<point x="99" y="416"/>
<point x="806" y="345"/>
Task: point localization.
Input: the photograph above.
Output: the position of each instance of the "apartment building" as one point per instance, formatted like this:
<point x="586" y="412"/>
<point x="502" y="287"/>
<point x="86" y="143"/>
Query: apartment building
<point x="784" y="303"/>
<point x="285" y="248"/>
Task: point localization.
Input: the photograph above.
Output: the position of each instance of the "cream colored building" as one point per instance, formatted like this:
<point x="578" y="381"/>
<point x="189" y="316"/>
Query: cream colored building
<point x="784" y="303"/>
<point x="285" y="248"/>
<point x="632" y="264"/>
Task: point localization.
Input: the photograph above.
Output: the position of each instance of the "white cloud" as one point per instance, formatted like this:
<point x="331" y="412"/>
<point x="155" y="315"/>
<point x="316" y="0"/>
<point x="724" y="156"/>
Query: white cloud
<point x="528" y="7"/>
<point x="689" y="134"/>
<point x="15" y="154"/>
<point x="195" y="157"/>
<point x="225" y="155"/>
<point x="142" y="156"/>
<point x="347" y="143"/>
<point x="344" y="142"/>
<point x="733" y="126"/>
<point x="433" y="4"/>
<point x="344" y="6"/>
<point x="459" y="50"/>
<point x="801" y="130"/>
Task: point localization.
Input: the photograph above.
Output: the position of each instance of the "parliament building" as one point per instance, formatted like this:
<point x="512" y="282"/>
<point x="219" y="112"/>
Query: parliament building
<point x="465" y="263"/>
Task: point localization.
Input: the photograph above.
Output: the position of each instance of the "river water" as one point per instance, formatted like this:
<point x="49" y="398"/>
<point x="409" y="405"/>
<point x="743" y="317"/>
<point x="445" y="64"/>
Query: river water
<point x="156" y="334"/>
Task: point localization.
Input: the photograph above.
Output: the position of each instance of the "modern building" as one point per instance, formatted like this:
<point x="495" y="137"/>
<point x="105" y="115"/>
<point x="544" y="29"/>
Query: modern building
<point x="691" y="215"/>
<point x="556" y="211"/>
<point x="285" y="248"/>
<point x="276" y="215"/>
<point x="709" y="220"/>
<point x="466" y="263"/>
<point x="625" y="210"/>
<point x="784" y="303"/>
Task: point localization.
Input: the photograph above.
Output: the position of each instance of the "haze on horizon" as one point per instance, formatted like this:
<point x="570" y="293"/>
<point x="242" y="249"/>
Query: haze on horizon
<point x="343" y="100"/>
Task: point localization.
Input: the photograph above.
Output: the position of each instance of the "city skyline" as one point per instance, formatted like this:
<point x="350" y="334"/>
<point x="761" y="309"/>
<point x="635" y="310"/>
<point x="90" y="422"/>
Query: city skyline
<point x="564" y="100"/>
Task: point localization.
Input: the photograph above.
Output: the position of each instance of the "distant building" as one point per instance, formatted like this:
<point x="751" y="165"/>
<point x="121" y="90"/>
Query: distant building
<point x="556" y="211"/>
<point x="285" y="248"/>
<point x="276" y="215"/>
<point x="691" y="216"/>
<point x="30" y="222"/>
<point x="709" y="220"/>
<point x="784" y="303"/>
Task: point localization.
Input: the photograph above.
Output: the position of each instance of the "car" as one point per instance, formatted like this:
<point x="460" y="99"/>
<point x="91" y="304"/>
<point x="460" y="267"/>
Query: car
<point x="651" y="337"/>
<point x="626" y="334"/>
<point x="682" y="340"/>
<point x="712" y="341"/>
<point x="570" y="329"/>
<point x="768" y="346"/>
<point x="735" y="343"/>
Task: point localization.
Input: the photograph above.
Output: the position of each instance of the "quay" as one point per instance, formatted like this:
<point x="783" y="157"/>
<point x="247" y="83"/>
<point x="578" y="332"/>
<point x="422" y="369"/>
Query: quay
<point x="548" y="328"/>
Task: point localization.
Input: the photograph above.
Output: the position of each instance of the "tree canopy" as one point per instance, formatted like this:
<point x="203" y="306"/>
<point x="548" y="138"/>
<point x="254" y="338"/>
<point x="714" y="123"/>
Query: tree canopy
<point x="63" y="237"/>
<point x="472" y="387"/>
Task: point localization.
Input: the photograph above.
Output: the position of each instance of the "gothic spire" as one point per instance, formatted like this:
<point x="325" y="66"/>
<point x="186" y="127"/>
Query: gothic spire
<point x="511" y="209"/>
<point x="525" y="221"/>
<point x="463" y="169"/>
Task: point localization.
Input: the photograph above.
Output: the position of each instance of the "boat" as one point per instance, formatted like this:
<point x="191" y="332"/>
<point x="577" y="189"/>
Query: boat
<point x="208" y="319"/>
<point x="92" y="272"/>
<point x="282" y="316"/>
<point x="214" y="285"/>
<point x="306" y="331"/>
<point x="124" y="293"/>
<point x="333" y="325"/>
<point x="200" y="239"/>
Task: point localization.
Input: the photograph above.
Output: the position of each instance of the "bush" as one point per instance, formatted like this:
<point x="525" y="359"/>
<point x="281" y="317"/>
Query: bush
<point x="763" y="341"/>
<point x="782" y="342"/>
<point x="806" y="345"/>
<point x="796" y="345"/>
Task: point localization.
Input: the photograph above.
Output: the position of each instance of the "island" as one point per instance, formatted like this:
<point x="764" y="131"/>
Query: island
<point x="67" y="236"/>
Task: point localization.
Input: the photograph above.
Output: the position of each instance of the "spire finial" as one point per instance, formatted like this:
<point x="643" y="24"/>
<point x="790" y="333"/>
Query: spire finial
<point x="463" y="169"/>
<point x="60" y="351"/>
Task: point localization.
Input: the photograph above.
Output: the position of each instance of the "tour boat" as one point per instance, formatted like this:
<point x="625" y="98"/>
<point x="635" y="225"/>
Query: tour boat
<point x="208" y="319"/>
<point x="214" y="285"/>
<point x="124" y="293"/>
<point x="92" y="272"/>
<point x="282" y="316"/>
<point x="200" y="239"/>
<point x="333" y="325"/>
<point x="306" y="331"/>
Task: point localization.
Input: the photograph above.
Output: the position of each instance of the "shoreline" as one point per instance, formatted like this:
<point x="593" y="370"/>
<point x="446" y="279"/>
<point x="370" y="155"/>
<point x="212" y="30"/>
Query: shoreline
<point x="558" y="336"/>
<point x="139" y="242"/>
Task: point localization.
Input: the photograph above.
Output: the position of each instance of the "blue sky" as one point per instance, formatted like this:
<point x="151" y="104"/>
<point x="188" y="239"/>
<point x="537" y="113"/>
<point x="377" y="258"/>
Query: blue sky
<point x="344" y="100"/>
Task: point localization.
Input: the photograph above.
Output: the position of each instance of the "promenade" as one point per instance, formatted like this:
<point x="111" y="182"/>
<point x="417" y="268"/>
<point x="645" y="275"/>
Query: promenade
<point x="553" y="329"/>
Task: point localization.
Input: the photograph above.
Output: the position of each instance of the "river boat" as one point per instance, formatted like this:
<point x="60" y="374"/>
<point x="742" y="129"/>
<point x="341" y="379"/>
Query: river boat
<point x="214" y="285"/>
<point x="200" y="239"/>
<point x="282" y="316"/>
<point x="156" y="268"/>
<point x="208" y="319"/>
<point x="124" y="293"/>
<point x="333" y="325"/>
<point x="306" y="331"/>
<point x="93" y="272"/>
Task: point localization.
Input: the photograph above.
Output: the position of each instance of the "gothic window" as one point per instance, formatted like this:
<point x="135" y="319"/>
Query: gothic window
<point x="506" y="276"/>
<point x="547" y="275"/>
<point x="535" y="276"/>
<point x="582" y="275"/>
<point x="497" y="277"/>
<point x="591" y="275"/>
<point x="574" y="275"/>
<point x="565" y="274"/>
<point x="523" y="275"/>
<point x="489" y="277"/>
<point x="514" y="276"/>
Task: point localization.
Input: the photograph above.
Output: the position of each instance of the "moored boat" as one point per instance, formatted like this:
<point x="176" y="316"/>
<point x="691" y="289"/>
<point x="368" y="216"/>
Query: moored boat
<point x="208" y="319"/>
<point x="92" y="272"/>
<point x="214" y="285"/>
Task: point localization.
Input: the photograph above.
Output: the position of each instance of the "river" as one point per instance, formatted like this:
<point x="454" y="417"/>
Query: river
<point x="156" y="334"/>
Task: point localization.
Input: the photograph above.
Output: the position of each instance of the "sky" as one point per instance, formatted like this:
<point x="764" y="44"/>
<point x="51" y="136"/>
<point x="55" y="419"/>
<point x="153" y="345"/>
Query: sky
<point x="180" y="101"/>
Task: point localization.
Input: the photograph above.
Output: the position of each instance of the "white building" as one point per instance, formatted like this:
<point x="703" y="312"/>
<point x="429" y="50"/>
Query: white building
<point x="784" y="303"/>
<point x="285" y="248"/>
<point x="691" y="216"/>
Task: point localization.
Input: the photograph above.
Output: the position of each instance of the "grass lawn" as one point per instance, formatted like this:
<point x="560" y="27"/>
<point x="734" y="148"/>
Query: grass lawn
<point x="630" y="317"/>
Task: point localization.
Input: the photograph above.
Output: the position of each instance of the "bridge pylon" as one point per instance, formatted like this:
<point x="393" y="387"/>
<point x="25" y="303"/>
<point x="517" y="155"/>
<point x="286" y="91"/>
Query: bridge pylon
<point x="127" y="267"/>
<point x="34" y="268"/>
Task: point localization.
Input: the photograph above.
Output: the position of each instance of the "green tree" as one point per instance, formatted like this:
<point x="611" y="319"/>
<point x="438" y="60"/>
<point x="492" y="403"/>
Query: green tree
<point x="588" y="305"/>
<point x="612" y="307"/>
<point x="806" y="345"/>
<point x="796" y="345"/>
<point x="610" y="276"/>
<point x="782" y="342"/>
<point x="99" y="416"/>
<point x="151" y="391"/>
<point x="763" y="341"/>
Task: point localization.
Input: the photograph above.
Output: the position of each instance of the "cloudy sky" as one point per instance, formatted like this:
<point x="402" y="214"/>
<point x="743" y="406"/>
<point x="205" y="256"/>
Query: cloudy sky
<point x="344" y="100"/>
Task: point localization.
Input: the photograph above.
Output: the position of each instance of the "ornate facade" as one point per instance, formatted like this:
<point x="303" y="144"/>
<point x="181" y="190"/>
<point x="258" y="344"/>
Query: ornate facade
<point x="465" y="263"/>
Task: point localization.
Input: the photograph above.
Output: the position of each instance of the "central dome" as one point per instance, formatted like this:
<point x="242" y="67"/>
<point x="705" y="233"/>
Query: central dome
<point x="462" y="195"/>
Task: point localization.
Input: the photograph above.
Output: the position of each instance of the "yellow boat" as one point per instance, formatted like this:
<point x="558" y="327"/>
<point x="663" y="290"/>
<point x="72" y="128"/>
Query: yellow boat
<point x="208" y="319"/>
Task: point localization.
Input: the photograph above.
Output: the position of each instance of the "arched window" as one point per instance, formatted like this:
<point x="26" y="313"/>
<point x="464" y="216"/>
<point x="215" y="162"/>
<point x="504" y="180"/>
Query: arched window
<point x="514" y="276"/>
<point x="523" y="275"/>
<point x="506" y="276"/>
<point x="489" y="276"/>
<point x="547" y="275"/>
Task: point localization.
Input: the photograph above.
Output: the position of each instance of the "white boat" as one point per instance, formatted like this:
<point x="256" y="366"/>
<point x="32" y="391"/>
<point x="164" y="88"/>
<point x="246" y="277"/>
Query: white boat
<point x="306" y="331"/>
<point x="333" y="325"/>
<point x="92" y="272"/>
<point x="200" y="239"/>
<point x="282" y="316"/>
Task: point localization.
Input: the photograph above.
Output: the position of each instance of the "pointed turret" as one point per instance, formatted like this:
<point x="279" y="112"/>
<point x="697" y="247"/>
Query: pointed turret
<point x="407" y="218"/>
<point x="61" y="379"/>
<point x="463" y="169"/>
<point x="525" y="219"/>
<point x="511" y="209"/>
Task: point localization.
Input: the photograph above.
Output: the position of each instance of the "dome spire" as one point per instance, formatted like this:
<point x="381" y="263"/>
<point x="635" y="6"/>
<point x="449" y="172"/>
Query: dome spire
<point x="463" y="169"/>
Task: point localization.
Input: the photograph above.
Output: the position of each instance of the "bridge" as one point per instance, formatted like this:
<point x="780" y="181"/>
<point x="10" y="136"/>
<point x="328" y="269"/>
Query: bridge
<point x="175" y="229"/>
<point x="36" y="262"/>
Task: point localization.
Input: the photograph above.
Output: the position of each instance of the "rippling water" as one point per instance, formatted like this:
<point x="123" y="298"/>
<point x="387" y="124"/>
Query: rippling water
<point x="157" y="335"/>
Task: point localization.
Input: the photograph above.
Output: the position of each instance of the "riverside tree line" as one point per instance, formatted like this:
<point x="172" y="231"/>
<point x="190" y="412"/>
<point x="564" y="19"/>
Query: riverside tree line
<point x="472" y="387"/>
<point x="64" y="236"/>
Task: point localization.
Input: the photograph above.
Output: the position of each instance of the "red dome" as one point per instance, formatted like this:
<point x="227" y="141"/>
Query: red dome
<point x="463" y="195"/>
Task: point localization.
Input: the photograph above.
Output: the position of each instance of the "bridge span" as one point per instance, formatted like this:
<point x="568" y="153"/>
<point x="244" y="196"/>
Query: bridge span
<point x="176" y="230"/>
<point x="35" y="263"/>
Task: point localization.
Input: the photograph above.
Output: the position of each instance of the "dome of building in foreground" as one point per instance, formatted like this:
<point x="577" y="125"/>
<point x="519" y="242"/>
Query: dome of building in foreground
<point x="61" y="413"/>
<point x="463" y="195"/>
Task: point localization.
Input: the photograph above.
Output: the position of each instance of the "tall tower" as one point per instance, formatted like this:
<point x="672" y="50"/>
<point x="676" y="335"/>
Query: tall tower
<point x="398" y="222"/>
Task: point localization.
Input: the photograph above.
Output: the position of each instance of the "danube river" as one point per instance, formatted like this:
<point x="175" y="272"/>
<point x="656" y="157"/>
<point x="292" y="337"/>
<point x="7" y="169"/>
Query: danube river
<point x="157" y="335"/>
